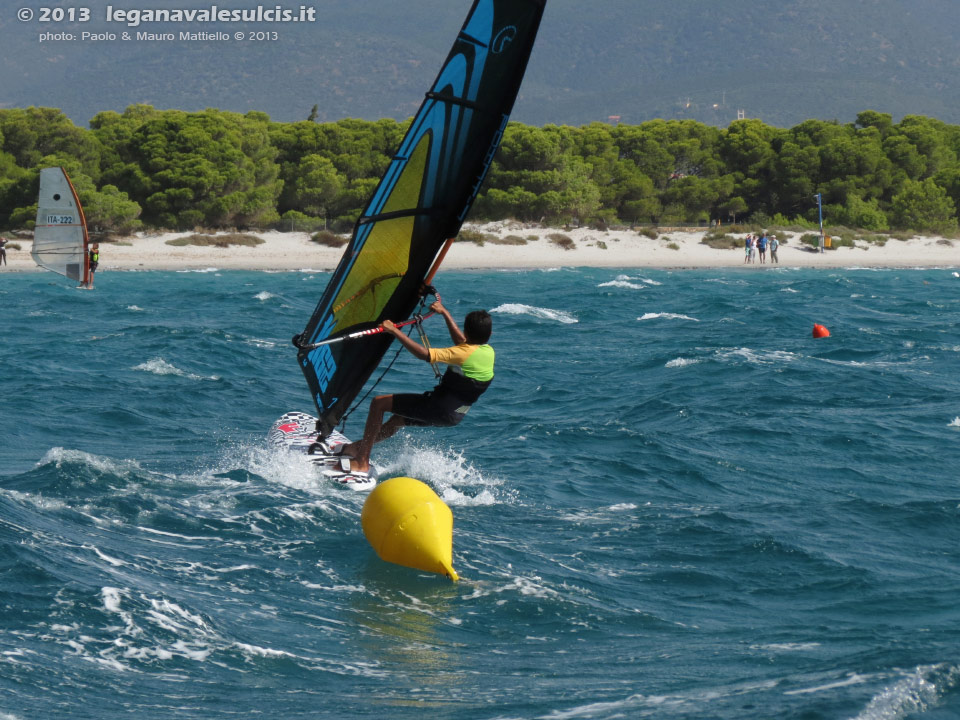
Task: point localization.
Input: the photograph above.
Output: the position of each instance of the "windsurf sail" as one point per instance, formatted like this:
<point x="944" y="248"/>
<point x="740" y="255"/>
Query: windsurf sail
<point x="60" y="238"/>
<point x="420" y="203"/>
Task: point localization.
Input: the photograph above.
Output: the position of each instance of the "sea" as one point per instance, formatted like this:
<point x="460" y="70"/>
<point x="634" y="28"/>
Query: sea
<point x="672" y="503"/>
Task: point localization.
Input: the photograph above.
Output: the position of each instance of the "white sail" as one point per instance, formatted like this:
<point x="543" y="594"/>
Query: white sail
<point x="60" y="235"/>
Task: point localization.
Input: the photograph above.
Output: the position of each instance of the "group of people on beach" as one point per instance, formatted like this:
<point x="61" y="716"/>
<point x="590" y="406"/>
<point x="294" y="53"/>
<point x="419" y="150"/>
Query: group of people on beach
<point x="758" y="244"/>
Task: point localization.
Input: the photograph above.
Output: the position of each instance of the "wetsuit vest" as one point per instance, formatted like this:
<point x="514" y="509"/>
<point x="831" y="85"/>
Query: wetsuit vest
<point x="465" y="389"/>
<point x="470" y="372"/>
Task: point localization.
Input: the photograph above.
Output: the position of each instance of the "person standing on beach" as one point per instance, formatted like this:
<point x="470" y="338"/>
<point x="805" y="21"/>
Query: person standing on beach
<point x="94" y="261"/>
<point x="762" y="247"/>
<point x="753" y="248"/>
<point x="469" y="374"/>
<point x="747" y="244"/>
<point x="3" y="251"/>
<point x="774" y="244"/>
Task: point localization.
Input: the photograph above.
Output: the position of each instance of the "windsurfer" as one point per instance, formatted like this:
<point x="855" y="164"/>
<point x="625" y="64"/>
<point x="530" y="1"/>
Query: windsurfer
<point x="469" y="374"/>
<point x="94" y="261"/>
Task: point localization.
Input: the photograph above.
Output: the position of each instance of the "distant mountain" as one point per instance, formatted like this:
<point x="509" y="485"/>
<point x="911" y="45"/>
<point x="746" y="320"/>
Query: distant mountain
<point x="783" y="61"/>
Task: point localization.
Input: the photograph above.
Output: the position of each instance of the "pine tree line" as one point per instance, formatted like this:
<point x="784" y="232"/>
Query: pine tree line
<point x="178" y="170"/>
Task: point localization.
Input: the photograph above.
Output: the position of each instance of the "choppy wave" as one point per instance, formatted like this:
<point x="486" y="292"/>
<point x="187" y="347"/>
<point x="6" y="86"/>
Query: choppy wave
<point x="757" y="519"/>
<point x="666" y="316"/>
<point x="536" y="312"/>
<point x="159" y="366"/>
<point x="622" y="284"/>
<point x="758" y="357"/>
<point x="921" y="690"/>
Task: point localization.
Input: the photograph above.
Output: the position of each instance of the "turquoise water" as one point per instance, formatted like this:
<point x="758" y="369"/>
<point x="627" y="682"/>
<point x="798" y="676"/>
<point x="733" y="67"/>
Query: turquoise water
<point x="672" y="503"/>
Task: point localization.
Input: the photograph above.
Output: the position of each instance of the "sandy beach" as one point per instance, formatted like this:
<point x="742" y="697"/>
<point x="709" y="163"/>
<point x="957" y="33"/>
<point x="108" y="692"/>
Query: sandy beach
<point x="591" y="248"/>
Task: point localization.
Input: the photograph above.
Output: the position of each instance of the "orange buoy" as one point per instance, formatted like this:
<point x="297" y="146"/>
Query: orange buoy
<point x="819" y="331"/>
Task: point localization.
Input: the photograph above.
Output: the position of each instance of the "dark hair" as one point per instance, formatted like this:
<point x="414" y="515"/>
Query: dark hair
<point x="477" y="327"/>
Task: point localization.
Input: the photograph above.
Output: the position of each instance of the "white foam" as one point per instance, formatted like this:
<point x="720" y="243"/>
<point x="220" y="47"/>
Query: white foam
<point x="922" y="689"/>
<point x="852" y="679"/>
<point x="955" y="423"/>
<point x="171" y="616"/>
<point x="622" y="284"/>
<point x="38" y="501"/>
<point x="681" y="362"/>
<point x="537" y="312"/>
<point x="277" y="465"/>
<point x="103" y="556"/>
<point x="787" y="647"/>
<point x="134" y="308"/>
<point x="448" y="473"/>
<point x="264" y="295"/>
<point x="159" y="366"/>
<point x="531" y="587"/>
<point x="258" y="651"/>
<point x="758" y="357"/>
<point x="666" y="316"/>
<point x="59" y="455"/>
<point x="190" y="653"/>
<point x="111" y="599"/>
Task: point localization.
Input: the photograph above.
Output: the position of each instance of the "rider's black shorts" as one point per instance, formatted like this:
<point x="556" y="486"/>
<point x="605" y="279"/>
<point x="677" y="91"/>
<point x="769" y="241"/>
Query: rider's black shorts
<point x="435" y="409"/>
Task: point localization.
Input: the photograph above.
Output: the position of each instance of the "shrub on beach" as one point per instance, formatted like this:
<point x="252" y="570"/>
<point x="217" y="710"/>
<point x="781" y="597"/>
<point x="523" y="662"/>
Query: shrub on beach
<point x="476" y="237"/>
<point x="222" y="241"/>
<point x="903" y="235"/>
<point x="721" y="241"/>
<point x="744" y="228"/>
<point x="330" y="239"/>
<point x="561" y="240"/>
<point x="508" y="240"/>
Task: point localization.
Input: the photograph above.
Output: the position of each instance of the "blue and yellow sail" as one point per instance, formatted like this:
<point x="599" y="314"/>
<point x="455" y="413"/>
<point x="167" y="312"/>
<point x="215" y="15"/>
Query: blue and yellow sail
<point x="421" y="201"/>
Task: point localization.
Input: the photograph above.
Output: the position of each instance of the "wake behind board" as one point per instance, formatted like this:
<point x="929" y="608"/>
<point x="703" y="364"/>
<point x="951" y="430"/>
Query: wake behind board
<point x="297" y="431"/>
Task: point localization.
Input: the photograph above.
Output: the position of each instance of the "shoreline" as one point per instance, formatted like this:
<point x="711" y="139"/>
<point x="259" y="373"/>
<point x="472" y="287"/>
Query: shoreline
<point x="674" y="250"/>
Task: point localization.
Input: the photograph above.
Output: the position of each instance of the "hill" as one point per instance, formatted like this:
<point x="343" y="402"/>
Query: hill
<point x="781" y="62"/>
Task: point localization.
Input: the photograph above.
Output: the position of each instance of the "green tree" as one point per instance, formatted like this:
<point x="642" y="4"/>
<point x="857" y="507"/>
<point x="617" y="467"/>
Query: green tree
<point x="316" y="186"/>
<point x="925" y="206"/>
<point x="883" y="122"/>
<point x="581" y="196"/>
<point x="733" y="207"/>
<point x="858" y="213"/>
<point x="111" y="209"/>
<point x="212" y="168"/>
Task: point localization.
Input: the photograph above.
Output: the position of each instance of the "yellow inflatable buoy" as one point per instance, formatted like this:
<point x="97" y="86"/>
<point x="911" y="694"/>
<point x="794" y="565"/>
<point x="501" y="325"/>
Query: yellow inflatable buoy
<point x="408" y="524"/>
